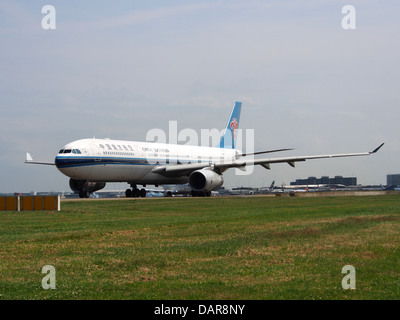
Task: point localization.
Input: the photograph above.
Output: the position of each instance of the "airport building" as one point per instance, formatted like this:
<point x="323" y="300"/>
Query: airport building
<point x="393" y="179"/>
<point x="337" y="180"/>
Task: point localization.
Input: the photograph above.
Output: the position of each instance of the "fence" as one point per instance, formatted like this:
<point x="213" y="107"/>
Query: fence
<point x="30" y="203"/>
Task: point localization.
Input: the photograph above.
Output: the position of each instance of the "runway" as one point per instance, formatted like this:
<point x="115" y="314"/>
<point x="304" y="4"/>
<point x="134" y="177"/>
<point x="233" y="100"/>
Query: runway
<point x="269" y="195"/>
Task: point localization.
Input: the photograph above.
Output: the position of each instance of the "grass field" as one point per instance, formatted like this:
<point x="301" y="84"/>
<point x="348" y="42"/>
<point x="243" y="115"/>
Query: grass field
<point x="205" y="248"/>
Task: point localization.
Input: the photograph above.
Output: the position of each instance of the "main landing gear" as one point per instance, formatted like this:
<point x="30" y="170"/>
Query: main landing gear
<point x="134" y="192"/>
<point x="200" y="194"/>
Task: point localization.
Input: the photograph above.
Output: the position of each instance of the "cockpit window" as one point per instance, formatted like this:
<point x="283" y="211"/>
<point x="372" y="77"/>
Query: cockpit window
<point x="67" y="151"/>
<point x="76" y="151"/>
<point x="61" y="151"/>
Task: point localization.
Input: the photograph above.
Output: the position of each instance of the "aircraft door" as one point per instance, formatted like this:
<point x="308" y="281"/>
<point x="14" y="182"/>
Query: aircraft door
<point x="96" y="152"/>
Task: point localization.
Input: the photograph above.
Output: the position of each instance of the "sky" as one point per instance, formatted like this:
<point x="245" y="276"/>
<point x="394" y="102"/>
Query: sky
<point x="120" y="69"/>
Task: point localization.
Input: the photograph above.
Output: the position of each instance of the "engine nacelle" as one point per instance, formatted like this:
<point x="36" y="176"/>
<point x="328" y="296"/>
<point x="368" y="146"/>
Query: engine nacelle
<point x="83" y="185"/>
<point x="205" y="180"/>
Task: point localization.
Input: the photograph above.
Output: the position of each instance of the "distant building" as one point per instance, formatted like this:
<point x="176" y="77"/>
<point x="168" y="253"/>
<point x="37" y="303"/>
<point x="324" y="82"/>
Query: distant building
<point x="393" y="179"/>
<point x="347" y="181"/>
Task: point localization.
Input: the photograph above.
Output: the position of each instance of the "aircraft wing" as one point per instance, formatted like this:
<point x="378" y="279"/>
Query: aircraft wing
<point x="175" y="170"/>
<point x="30" y="161"/>
<point x="183" y="169"/>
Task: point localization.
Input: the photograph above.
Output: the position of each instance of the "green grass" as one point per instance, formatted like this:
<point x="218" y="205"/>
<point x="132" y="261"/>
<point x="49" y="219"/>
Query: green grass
<point x="204" y="248"/>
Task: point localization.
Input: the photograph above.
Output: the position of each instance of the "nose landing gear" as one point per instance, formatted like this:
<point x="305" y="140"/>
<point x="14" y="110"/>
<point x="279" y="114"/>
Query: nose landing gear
<point x="84" y="194"/>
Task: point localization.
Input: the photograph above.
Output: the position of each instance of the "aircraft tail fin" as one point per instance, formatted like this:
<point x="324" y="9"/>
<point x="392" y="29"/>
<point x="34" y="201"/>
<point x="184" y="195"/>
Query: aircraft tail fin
<point x="272" y="185"/>
<point x="228" y="140"/>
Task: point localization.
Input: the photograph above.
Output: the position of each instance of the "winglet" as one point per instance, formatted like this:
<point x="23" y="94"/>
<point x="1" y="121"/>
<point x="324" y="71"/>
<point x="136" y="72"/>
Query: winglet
<point x="376" y="150"/>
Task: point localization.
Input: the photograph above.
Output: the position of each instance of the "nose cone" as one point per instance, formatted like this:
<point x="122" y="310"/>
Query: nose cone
<point x="62" y="164"/>
<point x="57" y="161"/>
<point x="66" y="161"/>
<point x="73" y="161"/>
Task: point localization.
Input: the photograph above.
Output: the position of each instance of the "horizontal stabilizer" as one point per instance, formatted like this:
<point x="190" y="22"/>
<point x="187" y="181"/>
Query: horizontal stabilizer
<point x="29" y="160"/>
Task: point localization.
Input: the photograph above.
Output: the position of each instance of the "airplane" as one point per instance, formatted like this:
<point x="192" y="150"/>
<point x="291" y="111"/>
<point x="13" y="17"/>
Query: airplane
<point x="179" y="189"/>
<point x="243" y="191"/>
<point x="272" y="186"/>
<point x="301" y="190"/>
<point x="390" y="188"/>
<point x="307" y="187"/>
<point x="268" y="189"/>
<point x="91" y="163"/>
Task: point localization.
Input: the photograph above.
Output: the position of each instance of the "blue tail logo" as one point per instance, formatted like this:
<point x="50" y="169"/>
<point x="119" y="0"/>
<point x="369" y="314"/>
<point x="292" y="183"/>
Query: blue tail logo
<point x="228" y="140"/>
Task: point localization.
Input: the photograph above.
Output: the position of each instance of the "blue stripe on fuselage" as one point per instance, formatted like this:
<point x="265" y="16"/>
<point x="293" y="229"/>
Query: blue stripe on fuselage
<point x="69" y="162"/>
<point x="64" y="162"/>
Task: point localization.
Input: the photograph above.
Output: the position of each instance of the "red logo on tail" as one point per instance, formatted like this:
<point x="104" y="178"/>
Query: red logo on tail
<point x="234" y="125"/>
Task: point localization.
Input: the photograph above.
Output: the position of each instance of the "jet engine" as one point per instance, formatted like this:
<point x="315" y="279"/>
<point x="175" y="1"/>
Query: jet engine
<point x="205" y="180"/>
<point x="84" y="187"/>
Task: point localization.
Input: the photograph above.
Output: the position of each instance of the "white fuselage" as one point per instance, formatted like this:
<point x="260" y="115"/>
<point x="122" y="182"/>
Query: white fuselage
<point x="105" y="160"/>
